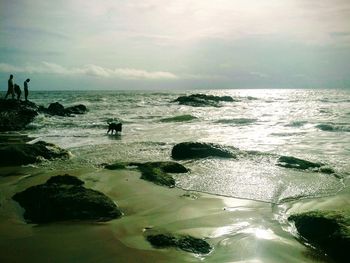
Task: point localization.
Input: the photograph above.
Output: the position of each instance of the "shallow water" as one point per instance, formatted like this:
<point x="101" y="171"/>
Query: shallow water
<point x="278" y="122"/>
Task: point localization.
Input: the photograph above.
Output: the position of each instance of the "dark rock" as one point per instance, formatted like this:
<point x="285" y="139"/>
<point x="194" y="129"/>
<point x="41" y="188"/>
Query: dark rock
<point x="180" y="118"/>
<point x="65" y="179"/>
<point x="58" y="109"/>
<point x="156" y="172"/>
<point x="328" y="231"/>
<point x="189" y="150"/>
<point x="21" y="154"/>
<point x="57" y="200"/>
<point x="200" y="100"/>
<point x="186" y="243"/>
<point x="76" y="109"/>
<point x="16" y="114"/>
<point x="296" y="163"/>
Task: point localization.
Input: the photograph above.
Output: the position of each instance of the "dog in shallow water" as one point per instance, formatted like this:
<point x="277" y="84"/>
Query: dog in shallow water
<point x="117" y="127"/>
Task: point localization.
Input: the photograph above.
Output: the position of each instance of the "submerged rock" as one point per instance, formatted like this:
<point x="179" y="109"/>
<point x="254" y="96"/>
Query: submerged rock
<point x="200" y="100"/>
<point x="186" y="243"/>
<point x="58" y="109"/>
<point x="156" y="172"/>
<point x="296" y="163"/>
<point x="328" y="231"/>
<point x="64" y="198"/>
<point x="179" y="118"/>
<point x="189" y="150"/>
<point x="15" y="114"/>
<point x="21" y="154"/>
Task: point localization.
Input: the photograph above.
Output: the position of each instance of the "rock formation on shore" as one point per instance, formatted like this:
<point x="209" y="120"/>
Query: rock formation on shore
<point x="63" y="198"/>
<point x="326" y="230"/>
<point x="15" y="114"/>
<point x="186" y="243"/>
<point x="22" y="153"/>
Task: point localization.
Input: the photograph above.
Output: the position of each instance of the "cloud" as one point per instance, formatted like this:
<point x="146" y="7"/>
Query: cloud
<point x="89" y="70"/>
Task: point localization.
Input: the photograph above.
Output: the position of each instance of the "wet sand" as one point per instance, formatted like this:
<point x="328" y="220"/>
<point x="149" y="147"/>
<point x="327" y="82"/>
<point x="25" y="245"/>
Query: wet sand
<point x="238" y="230"/>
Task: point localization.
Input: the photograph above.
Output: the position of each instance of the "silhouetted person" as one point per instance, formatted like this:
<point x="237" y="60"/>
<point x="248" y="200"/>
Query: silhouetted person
<point x="18" y="91"/>
<point x="26" y="89"/>
<point x="10" y="87"/>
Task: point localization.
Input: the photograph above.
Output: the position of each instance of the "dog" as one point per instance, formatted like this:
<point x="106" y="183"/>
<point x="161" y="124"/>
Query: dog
<point x="117" y="127"/>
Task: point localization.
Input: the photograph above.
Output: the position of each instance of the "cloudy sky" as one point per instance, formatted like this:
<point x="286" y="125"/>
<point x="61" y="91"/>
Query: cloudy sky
<point x="178" y="44"/>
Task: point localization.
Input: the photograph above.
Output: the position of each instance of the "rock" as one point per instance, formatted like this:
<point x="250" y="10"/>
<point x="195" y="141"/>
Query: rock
<point x="65" y="179"/>
<point x="186" y="243"/>
<point x="190" y="150"/>
<point x="156" y="172"/>
<point x="15" y="114"/>
<point x="296" y="163"/>
<point x="200" y="100"/>
<point x="77" y="109"/>
<point x="328" y="231"/>
<point x="179" y="118"/>
<point x="64" y="198"/>
<point x="21" y="154"/>
<point x="58" y="109"/>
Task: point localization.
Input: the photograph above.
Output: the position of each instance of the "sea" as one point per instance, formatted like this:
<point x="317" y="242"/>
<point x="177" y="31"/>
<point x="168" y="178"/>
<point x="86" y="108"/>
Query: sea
<point x="264" y="124"/>
<point x="260" y="125"/>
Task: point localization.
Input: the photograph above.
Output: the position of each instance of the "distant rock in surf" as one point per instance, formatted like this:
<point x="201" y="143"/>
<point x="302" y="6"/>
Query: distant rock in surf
<point x="21" y="153"/>
<point x="202" y="100"/>
<point x="64" y="198"/>
<point x="15" y="114"/>
<point x="156" y="172"/>
<point x="186" y="243"/>
<point x="58" y="109"/>
<point x="192" y="150"/>
<point x="179" y="118"/>
<point x="296" y="163"/>
<point x="326" y="230"/>
<point x="333" y="128"/>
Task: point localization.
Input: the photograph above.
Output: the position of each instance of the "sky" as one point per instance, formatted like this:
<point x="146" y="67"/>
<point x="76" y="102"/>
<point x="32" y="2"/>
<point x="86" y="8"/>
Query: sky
<point x="178" y="44"/>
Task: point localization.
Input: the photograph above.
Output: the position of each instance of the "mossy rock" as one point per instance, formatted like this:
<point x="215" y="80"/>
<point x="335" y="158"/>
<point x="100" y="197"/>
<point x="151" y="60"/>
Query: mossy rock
<point x="156" y="172"/>
<point x="186" y="243"/>
<point x="64" y="198"/>
<point x="326" y="230"/>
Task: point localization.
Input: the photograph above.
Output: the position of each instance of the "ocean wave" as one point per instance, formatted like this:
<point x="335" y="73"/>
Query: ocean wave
<point x="296" y="124"/>
<point x="333" y="127"/>
<point x="237" y="121"/>
<point x="179" y="118"/>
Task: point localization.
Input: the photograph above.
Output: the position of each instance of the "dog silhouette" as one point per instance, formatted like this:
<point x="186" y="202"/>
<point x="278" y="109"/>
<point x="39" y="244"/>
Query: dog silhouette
<point x="117" y="127"/>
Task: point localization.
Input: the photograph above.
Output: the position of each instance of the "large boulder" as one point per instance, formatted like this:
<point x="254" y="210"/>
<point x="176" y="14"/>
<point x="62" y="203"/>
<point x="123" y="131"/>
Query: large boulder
<point x="186" y="243"/>
<point x="296" y="163"/>
<point x="21" y="153"/>
<point x="156" y="172"/>
<point x="202" y="100"/>
<point x="64" y="198"/>
<point x="57" y="108"/>
<point x="326" y="230"/>
<point x="191" y="150"/>
<point x="15" y="114"/>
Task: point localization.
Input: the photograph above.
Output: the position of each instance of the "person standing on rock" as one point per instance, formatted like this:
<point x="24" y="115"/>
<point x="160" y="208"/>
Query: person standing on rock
<point x="18" y="91"/>
<point x="26" y="89"/>
<point x="10" y="87"/>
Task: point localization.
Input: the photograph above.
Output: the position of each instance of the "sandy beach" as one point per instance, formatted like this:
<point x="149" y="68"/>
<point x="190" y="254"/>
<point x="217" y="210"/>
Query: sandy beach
<point x="238" y="230"/>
